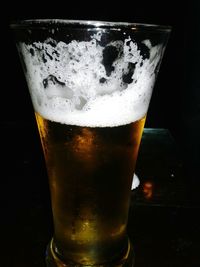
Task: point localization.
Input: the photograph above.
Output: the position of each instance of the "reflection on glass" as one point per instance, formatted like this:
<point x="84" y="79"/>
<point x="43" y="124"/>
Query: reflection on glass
<point x="148" y="189"/>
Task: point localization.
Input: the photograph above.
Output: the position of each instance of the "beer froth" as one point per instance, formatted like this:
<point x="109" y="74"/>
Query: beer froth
<point x="83" y="83"/>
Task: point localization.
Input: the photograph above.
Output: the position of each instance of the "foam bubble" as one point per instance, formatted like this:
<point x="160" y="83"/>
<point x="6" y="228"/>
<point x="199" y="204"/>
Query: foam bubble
<point x="83" y="83"/>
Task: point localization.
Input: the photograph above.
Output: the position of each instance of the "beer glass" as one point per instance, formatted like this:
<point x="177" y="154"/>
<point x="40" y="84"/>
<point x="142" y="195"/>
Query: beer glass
<point x="90" y="83"/>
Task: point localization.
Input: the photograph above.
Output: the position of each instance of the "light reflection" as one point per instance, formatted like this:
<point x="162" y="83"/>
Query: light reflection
<point x="148" y="189"/>
<point x="85" y="141"/>
<point x="43" y="131"/>
<point x="118" y="231"/>
<point x="85" y="146"/>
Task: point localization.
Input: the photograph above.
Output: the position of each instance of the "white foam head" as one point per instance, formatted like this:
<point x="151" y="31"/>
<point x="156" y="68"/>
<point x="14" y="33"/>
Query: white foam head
<point x="69" y="82"/>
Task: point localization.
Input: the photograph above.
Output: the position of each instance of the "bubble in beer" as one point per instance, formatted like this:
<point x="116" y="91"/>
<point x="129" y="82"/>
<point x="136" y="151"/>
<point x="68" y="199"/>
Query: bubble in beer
<point x="86" y="84"/>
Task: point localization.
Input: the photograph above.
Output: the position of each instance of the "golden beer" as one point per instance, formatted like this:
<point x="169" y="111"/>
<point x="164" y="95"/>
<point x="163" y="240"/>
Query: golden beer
<point x="90" y="174"/>
<point x="90" y="84"/>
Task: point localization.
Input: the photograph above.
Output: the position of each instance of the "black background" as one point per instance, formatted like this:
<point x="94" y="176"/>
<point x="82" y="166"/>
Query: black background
<point x="175" y="103"/>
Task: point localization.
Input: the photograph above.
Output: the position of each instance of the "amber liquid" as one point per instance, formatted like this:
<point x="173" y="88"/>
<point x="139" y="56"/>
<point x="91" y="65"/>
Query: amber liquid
<point x="90" y="174"/>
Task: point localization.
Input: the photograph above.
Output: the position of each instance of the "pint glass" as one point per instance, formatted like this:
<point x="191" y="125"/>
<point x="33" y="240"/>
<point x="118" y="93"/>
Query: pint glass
<point x="90" y="83"/>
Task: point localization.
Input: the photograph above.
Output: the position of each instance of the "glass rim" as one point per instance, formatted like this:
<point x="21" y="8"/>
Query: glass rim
<point x="70" y="23"/>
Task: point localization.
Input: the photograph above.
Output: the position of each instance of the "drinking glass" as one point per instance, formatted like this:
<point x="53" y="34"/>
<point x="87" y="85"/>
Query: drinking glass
<point x="90" y="83"/>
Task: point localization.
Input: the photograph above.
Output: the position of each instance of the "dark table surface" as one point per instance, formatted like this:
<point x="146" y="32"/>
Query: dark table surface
<point x="164" y="221"/>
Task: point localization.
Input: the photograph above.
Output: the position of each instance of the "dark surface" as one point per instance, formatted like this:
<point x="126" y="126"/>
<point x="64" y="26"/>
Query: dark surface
<point x="164" y="223"/>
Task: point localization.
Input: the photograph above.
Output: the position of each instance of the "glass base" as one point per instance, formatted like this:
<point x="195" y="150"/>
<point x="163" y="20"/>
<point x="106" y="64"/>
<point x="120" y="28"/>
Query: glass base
<point x="53" y="261"/>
